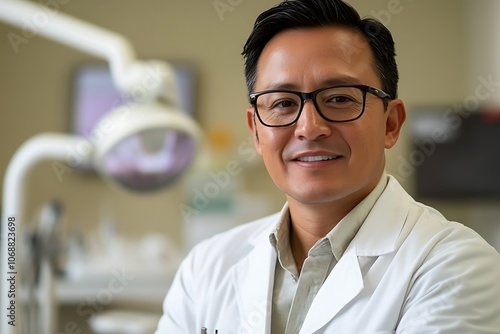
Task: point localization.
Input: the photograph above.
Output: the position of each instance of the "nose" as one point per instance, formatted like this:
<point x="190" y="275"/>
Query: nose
<point x="310" y="125"/>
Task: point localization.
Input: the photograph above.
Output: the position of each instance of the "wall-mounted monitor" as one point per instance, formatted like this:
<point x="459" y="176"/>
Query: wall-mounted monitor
<point x="455" y="154"/>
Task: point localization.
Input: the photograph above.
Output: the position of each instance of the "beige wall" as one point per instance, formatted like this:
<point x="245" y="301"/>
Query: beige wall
<point x="36" y="85"/>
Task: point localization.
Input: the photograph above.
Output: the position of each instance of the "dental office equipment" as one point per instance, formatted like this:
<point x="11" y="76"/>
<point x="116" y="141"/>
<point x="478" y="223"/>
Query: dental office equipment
<point x="42" y="262"/>
<point x="150" y="117"/>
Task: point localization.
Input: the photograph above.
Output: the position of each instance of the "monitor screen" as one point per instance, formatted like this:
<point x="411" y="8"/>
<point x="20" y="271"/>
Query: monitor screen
<point x="455" y="154"/>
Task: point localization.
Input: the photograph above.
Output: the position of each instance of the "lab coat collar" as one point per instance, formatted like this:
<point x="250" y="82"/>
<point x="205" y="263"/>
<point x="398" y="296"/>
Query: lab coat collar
<point x="381" y="230"/>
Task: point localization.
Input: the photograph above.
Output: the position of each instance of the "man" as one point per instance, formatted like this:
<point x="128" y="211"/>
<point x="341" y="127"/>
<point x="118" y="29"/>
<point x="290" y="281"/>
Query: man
<point x="351" y="251"/>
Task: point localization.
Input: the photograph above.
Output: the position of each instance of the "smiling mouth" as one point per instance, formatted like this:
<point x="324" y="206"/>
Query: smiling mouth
<point x="317" y="158"/>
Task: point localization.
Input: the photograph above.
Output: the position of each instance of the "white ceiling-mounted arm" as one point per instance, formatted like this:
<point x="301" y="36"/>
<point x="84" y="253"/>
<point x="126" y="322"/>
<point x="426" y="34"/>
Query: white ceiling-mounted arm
<point x="137" y="79"/>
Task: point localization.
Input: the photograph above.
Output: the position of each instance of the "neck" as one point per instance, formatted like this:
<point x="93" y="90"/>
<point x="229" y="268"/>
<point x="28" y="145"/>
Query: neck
<point x="311" y="222"/>
<point x="307" y="226"/>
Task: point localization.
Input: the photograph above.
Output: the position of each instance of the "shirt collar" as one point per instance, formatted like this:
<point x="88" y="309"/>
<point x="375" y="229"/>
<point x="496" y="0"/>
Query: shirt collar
<point x="339" y="237"/>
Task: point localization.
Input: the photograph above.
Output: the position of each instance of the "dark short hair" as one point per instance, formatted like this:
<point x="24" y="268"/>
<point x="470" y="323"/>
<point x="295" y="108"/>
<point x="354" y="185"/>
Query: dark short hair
<point x="297" y="14"/>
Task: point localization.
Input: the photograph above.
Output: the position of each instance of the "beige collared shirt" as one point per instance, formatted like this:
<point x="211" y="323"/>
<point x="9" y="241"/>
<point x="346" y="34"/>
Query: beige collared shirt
<point x="294" y="293"/>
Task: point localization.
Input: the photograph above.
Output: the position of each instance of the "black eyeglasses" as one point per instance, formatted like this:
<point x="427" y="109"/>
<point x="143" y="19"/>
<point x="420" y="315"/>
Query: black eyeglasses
<point x="276" y="108"/>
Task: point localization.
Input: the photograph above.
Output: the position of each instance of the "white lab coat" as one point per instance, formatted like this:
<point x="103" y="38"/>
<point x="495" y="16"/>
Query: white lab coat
<point x="408" y="270"/>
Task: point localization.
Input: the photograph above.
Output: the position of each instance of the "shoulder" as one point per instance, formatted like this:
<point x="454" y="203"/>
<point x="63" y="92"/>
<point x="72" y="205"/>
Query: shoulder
<point x="441" y="233"/>
<point x="439" y="250"/>
<point x="240" y="236"/>
<point x="399" y="223"/>
<point x="425" y="225"/>
<point x="227" y="248"/>
<point x="450" y="273"/>
<point x="452" y="243"/>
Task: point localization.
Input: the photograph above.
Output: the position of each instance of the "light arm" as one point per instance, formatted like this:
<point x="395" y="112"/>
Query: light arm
<point x="131" y="76"/>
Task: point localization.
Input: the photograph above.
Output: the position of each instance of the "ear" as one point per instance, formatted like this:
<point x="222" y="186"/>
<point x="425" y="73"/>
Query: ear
<point x="395" y="117"/>
<point x="252" y="125"/>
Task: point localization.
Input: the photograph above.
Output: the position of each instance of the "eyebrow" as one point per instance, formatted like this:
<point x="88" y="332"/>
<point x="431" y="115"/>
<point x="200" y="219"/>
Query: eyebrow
<point x="341" y="80"/>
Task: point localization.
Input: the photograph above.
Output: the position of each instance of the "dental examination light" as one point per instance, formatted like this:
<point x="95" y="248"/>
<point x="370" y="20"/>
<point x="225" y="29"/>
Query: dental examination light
<point x="145" y="144"/>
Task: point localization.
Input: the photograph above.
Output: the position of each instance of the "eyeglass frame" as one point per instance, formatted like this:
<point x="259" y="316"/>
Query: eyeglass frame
<point x="312" y="96"/>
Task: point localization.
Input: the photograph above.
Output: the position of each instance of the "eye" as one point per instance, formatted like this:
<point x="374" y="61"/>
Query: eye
<point x="284" y="104"/>
<point x="339" y="99"/>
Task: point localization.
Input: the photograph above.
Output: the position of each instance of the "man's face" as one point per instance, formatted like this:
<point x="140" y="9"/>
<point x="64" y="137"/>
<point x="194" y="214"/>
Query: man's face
<point x="306" y="60"/>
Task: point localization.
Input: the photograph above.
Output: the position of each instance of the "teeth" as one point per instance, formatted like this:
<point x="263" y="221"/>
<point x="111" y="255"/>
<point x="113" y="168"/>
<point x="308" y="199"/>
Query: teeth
<point x="316" y="158"/>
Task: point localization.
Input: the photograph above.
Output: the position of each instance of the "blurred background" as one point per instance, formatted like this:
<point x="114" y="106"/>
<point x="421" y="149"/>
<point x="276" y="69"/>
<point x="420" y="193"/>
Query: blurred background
<point x="446" y="60"/>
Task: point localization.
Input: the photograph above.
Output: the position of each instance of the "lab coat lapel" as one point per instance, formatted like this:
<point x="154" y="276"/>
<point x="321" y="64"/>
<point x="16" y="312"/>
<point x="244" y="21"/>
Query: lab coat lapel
<point x="342" y="285"/>
<point x="253" y="280"/>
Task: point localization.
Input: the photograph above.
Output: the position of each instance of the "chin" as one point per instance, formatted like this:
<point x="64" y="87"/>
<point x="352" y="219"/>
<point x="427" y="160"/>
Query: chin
<point x="315" y="197"/>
